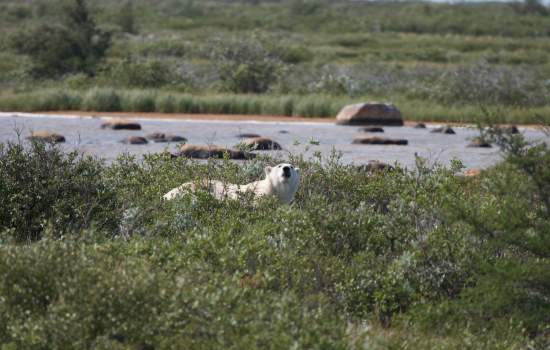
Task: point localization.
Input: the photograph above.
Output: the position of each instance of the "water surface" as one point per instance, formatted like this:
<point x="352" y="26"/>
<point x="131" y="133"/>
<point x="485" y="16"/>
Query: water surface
<point x="85" y="134"/>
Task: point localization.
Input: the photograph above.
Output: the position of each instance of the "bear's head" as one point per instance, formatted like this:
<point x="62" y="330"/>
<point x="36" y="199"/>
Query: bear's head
<point x="284" y="179"/>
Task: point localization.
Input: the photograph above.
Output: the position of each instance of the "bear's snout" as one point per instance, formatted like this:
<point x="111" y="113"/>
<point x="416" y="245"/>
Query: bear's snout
<point x="286" y="171"/>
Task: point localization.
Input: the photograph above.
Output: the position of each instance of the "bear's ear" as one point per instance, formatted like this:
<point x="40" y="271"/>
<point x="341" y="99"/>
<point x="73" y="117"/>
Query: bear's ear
<point x="297" y="170"/>
<point x="267" y="170"/>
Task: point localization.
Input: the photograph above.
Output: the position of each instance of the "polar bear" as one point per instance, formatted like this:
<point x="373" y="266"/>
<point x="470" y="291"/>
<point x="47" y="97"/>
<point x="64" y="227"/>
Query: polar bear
<point x="281" y="181"/>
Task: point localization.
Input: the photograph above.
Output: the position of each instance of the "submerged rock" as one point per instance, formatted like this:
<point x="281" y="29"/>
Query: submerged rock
<point x="510" y="129"/>
<point x="261" y="144"/>
<point x="212" y="151"/>
<point x="371" y="113"/>
<point x="162" y="137"/>
<point x="444" y="130"/>
<point x="121" y="125"/>
<point x="379" y="141"/>
<point x="135" y="140"/>
<point x="479" y="142"/>
<point x="47" y="136"/>
<point x="372" y="129"/>
<point x="248" y="135"/>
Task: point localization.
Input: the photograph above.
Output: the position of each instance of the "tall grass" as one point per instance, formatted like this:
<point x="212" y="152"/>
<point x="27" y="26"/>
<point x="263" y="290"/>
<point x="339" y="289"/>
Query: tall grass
<point x="110" y="100"/>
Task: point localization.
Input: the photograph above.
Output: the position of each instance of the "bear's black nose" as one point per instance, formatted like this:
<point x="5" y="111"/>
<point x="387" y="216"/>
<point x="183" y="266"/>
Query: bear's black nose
<point x="286" y="171"/>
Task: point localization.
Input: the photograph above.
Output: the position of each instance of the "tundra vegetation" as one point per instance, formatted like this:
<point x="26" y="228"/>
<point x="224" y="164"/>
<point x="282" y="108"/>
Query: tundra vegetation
<point x="292" y="57"/>
<point x="91" y="257"/>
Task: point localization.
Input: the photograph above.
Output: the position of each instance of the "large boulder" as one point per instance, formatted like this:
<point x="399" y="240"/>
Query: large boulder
<point x="121" y="125"/>
<point x="212" y="151"/>
<point x="162" y="137"/>
<point x="261" y="144"/>
<point x="379" y="141"/>
<point x="371" y="113"/>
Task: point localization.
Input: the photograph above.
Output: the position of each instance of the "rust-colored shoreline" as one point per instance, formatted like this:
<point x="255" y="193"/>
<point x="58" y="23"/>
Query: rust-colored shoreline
<point x="238" y="117"/>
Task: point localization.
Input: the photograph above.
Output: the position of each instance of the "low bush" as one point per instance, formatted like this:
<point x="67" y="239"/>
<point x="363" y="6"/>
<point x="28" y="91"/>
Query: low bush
<point x="246" y="65"/>
<point x="74" y="45"/>
<point x="409" y="252"/>
<point x="45" y="191"/>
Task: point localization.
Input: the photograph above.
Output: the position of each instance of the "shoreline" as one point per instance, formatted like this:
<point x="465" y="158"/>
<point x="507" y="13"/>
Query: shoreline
<point x="252" y="118"/>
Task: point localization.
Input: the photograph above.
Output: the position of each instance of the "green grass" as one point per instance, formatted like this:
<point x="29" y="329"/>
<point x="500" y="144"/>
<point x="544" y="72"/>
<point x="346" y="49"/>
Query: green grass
<point x="109" y="100"/>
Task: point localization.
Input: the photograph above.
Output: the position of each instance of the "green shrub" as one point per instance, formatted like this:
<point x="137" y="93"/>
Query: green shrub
<point x="75" y="45"/>
<point x="138" y="74"/>
<point x="49" y="286"/>
<point x="44" y="189"/>
<point x="245" y="65"/>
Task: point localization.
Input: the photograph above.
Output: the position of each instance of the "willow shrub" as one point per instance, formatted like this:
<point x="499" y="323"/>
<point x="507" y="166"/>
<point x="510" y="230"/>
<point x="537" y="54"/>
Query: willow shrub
<point x="424" y="245"/>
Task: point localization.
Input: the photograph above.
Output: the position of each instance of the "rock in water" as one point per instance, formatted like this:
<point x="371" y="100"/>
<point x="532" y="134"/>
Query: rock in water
<point x="371" y="113"/>
<point x="444" y="130"/>
<point x="372" y="129"/>
<point x="247" y="136"/>
<point x="262" y="144"/>
<point x="479" y="142"/>
<point x="379" y="141"/>
<point x="121" y="125"/>
<point x="47" y="136"/>
<point x="205" y="152"/>
<point x="162" y="137"/>
<point x="135" y="140"/>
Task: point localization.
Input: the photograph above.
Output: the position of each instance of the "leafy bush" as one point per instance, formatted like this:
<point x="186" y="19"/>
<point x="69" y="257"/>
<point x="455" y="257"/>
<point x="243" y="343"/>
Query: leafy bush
<point x="138" y="74"/>
<point x="397" y="249"/>
<point x="483" y="84"/>
<point x="45" y="190"/>
<point x="245" y="65"/>
<point x="75" y="45"/>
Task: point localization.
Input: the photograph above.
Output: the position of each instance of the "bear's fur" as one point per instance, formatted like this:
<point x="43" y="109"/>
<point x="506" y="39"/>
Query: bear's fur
<point x="281" y="181"/>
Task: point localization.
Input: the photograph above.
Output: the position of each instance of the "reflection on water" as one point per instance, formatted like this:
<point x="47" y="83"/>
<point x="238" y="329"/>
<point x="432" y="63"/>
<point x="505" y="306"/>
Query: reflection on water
<point x="85" y="135"/>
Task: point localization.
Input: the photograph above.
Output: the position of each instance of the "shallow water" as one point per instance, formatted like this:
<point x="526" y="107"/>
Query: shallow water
<point x="85" y="135"/>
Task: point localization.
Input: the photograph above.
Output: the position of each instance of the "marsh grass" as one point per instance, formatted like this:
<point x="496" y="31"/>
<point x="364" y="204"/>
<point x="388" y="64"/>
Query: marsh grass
<point x="318" y="105"/>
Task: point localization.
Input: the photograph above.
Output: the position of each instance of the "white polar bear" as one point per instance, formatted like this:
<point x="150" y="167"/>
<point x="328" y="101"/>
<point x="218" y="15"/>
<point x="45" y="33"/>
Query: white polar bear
<point x="281" y="181"/>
